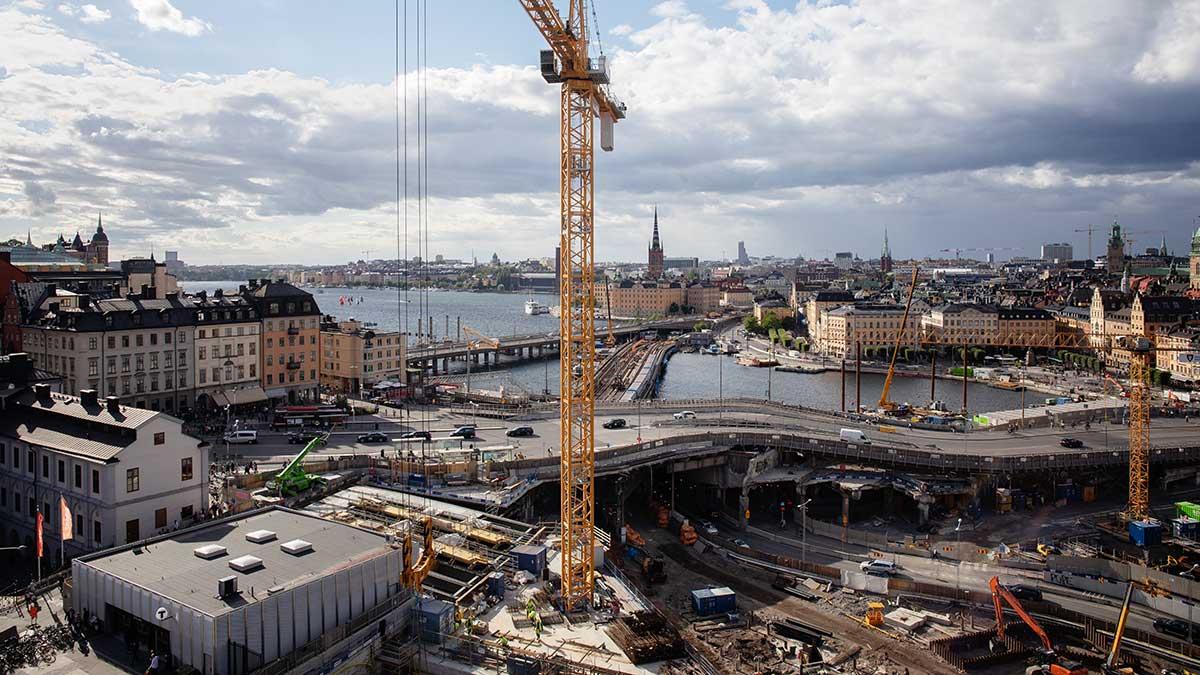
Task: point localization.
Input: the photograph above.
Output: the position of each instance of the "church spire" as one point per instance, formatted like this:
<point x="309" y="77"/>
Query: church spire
<point x="887" y="252"/>
<point x="655" y="242"/>
<point x="29" y="238"/>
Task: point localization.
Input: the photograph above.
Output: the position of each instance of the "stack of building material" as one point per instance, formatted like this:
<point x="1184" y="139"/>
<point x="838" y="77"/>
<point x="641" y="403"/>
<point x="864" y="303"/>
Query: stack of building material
<point x="646" y="637"/>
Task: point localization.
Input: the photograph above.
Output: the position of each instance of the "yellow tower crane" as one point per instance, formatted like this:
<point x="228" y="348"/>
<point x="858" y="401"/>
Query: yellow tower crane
<point x="584" y="95"/>
<point x="885" y="404"/>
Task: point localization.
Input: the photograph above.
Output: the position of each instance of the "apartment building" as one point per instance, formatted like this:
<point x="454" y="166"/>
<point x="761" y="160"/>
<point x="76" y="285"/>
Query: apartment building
<point x="138" y="349"/>
<point x="637" y="299"/>
<point x="1023" y="325"/>
<point x="865" y="324"/>
<point x="288" y="364"/>
<point x="963" y="324"/>
<point x="228" y="337"/>
<point x="1182" y="358"/>
<point x="354" y="357"/>
<point x="124" y="473"/>
<point x="1150" y="315"/>
<point x="815" y="307"/>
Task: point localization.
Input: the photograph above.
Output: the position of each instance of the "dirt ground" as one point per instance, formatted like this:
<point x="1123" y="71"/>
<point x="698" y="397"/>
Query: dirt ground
<point x="758" y="601"/>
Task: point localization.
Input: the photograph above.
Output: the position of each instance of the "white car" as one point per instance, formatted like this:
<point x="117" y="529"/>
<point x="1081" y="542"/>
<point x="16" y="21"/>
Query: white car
<point x="685" y="415"/>
<point x="244" y="436"/>
<point x="707" y="527"/>
<point x="879" y="567"/>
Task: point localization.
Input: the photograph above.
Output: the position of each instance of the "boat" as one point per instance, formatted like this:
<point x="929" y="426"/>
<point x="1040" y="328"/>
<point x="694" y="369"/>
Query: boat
<point x="533" y="308"/>
<point x="757" y="362"/>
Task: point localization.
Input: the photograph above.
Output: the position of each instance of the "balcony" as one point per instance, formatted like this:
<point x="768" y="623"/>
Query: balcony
<point x="293" y="330"/>
<point x="293" y="365"/>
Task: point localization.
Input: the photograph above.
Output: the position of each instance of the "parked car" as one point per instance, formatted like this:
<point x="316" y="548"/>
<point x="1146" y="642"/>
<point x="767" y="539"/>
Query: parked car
<point x="466" y="431"/>
<point x="244" y="436"/>
<point x="617" y="423"/>
<point x="883" y="568"/>
<point x="1176" y="628"/>
<point x="302" y="437"/>
<point x="685" y="415"/>
<point x="740" y="544"/>
<point x="423" y="435"/>
<point x="1071" y="443"/>
<point x="518" y="431"/>
<point x="373" y="437"/>
<point x="706" y="527"/>
<point x="1023" y="592"/>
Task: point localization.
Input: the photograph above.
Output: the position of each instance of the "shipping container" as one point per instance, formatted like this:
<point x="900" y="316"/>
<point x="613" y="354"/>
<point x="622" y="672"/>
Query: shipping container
<point x="532" y="559"/>
<point x="521" y="665"/>
<point x="1189" y="509"/>
<point x="1145" y="533"/>
<point x="435" y="620"/>
<point x="709" y="601"/>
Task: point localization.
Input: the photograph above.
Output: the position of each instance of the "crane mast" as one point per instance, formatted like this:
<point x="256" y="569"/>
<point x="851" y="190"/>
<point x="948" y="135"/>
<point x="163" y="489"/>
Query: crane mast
<point x="583" y="97"/>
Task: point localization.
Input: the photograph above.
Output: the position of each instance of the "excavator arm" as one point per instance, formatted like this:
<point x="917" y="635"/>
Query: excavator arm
<point x="414" y="572"/>
<point x="1000" y="594"/>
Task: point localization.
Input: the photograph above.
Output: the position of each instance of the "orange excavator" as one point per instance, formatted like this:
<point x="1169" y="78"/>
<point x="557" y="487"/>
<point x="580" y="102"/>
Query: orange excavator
<point x="1053" y="665"/>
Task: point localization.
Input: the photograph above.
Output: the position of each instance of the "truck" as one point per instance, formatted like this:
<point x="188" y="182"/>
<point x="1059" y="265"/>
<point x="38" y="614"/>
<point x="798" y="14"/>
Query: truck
<point x="854" y="436"/>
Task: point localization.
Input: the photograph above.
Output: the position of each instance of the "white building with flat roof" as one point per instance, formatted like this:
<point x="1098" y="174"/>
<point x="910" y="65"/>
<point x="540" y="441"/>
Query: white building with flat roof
<point x="274" y="586"/>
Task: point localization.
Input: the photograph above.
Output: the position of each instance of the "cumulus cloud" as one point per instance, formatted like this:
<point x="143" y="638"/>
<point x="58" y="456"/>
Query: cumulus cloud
<point x="41" y="198"/>
<point x="86" y="13"/>
<point x="801" y="131"/>
<point x="162" y="15"/>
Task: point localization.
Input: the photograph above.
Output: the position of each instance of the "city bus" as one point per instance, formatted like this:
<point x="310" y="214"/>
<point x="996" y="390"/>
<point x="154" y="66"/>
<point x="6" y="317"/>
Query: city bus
<point x="300" y="416"/>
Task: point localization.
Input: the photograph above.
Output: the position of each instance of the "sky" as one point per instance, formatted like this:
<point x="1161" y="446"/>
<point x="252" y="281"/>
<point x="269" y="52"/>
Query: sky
<point x="263" y="131"/>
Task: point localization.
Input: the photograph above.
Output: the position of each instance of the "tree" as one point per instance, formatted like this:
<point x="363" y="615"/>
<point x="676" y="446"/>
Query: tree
<point x="772" y="321"/>
<point x="673" y="309"/>
<point x="751" y="324"/>
<point x="700" y="326"/>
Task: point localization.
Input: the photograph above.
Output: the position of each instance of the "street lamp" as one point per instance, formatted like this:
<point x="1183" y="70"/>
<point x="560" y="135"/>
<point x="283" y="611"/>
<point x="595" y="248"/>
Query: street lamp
<point x="13" y="548"/>
<point x="804" y="531"/>
<point x="958" y="554"/>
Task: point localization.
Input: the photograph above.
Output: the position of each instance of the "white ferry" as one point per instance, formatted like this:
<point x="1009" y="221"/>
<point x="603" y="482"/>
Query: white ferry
<point x="533" y="308"/>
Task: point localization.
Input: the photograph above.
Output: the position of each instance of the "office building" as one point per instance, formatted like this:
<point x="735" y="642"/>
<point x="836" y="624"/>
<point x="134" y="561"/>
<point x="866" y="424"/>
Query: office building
<point x="1057" y="252"/>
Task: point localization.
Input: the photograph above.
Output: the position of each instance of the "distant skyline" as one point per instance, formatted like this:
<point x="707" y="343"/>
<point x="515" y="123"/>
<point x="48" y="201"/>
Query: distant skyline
<point x="262" y="131"/>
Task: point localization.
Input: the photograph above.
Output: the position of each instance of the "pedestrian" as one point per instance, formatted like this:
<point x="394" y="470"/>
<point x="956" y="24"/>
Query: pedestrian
<point x="33" y="612"/>
<point x="155" y="664"/>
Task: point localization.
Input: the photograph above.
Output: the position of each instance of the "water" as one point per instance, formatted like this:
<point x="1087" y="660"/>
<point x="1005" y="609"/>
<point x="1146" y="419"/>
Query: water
<point x="690" y="376"/>
<point x="493" y="314"/>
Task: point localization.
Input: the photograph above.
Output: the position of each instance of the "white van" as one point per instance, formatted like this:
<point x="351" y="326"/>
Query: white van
<point x="244" y="436"/>
<point x="854" y="436"/>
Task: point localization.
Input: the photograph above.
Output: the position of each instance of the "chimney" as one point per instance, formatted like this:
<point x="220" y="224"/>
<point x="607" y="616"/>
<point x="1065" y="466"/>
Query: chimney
<point x="89" y="398"/>
<point x="113" y="404"/>
<point x="42" y="391"/>
<point x="6" y="256"/>
<point x="83" y="300"/>
<point x="218" y="293"/>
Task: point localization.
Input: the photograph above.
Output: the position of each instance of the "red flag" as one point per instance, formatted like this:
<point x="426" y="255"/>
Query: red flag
<point x="39" y="534"/>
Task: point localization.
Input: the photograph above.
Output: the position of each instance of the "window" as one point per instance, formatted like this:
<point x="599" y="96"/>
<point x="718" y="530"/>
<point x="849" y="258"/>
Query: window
<point x="160" y="518"/>
<point x="154" y="361"/>
<point x="112" y="342"/>
<point x="153" y="381"/>
<point x="92" y="343"/>
<point x="62" y="471"/>
<point x="186" y="512"/>
<point x="182" y="358"/>
<point x="200" y="353"/>
<point x="167" y="359"/>
<point x="46" y="466"/>
<point x="125" y="342"/>
<point x="160" y="437"/>
<point x="203" y="333"/>
<point x="139" y="363"/>
<point x="141" y="386"/>
<point x="166" y="338"/>
<point x="79" y="526"/>
<point x="16" y="501"/>
<point x="16" y="458"/>
<point x="32" y="507"/>
<point x="133" y="480"/>
<point x="154" y="338"/>
<point x="270" y="378"/>
<point x="79" y="479"/>
<point x="132" y="530"/>
<point x="252" y="348"/>
<point x="252" y="370"/>
<point x="96" y="531"/>
<point x="4" y="497"/>
<point x="185" y="469"/>
<point x="96" y="481"/>
<point x="125" y="363"/>
<point x="203" y="376"/>
<point x="182" y="380"/>
<point x="139" y="339"/>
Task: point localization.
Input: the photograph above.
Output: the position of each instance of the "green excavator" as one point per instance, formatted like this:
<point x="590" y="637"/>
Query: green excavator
<point x="293" y="479"/>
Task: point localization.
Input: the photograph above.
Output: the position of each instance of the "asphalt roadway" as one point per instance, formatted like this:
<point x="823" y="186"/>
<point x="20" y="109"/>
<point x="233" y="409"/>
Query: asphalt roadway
<point x="659" y="423"/>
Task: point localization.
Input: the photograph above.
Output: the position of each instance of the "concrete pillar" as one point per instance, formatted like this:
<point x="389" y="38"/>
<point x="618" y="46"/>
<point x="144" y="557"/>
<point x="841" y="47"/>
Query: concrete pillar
<point x="743" y="508"/>
<point x="923" y="512"/>
<point x="845" y="508"/>
<point x="433" y="366"/>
